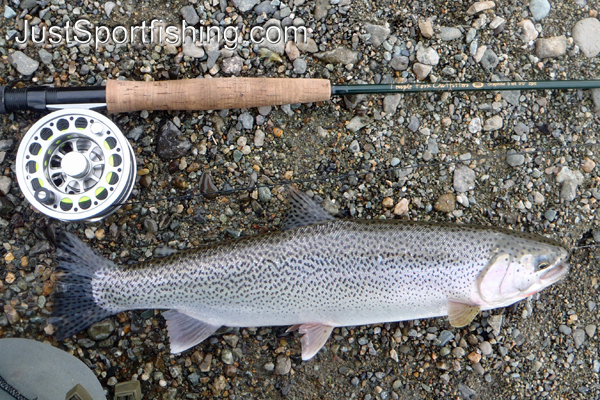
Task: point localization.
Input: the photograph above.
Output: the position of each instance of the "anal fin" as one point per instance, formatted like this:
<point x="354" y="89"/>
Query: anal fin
<point x="186" y="331"/>
<point x="315" y="336"/>
<point x="461" y="314"/>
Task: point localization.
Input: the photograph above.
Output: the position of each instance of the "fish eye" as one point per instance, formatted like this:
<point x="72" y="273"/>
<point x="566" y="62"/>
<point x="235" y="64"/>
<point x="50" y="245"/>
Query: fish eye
<point x="542" y="265"/>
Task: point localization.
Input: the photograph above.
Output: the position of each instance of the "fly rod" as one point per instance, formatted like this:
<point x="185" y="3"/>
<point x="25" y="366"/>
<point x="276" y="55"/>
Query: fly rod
<point x="231" y="93"/>
<point x="75" y="164"/>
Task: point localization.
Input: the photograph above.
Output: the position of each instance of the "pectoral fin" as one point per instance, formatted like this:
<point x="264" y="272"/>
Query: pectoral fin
<point x="315" y="336"/>
<point x="186" y="331"/>
<point x="461" y="314"/>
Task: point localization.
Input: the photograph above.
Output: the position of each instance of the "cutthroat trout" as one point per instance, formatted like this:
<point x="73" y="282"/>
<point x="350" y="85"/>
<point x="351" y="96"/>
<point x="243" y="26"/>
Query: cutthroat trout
<point x="316" y="274"/>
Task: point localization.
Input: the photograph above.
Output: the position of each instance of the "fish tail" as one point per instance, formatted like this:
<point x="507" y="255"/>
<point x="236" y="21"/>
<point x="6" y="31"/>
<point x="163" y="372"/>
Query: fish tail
<point x="75" y="307"/>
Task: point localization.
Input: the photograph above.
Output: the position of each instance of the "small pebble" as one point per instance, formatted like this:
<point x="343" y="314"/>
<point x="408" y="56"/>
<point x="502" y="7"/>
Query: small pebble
<point x="474" y="357"/>
<point x="578" y="337"/>
<point x="402" y="207"/>
<point x="588" y="165"/>
<point x="445" y="203"/>
<point x="551" y="47"/>
<point x="283" y="365"/>
<point x="539" y="9"/>
<point x="486" y="348"/>
<point x="565" y="330"/>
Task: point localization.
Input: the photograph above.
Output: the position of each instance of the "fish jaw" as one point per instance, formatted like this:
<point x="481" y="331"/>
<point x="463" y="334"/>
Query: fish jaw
<point x="555" y="274"/>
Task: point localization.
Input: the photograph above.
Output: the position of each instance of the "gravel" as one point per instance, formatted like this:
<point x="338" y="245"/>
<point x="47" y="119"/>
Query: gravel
<point x="534" y="349"/>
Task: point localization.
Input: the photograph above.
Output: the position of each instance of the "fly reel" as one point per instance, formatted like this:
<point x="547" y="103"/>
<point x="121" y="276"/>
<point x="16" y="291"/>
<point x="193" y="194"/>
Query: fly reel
<point x="75" y="165"/>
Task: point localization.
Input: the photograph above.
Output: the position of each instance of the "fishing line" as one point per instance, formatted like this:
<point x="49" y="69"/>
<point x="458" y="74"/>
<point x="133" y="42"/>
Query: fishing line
<point x="190" y="196"/>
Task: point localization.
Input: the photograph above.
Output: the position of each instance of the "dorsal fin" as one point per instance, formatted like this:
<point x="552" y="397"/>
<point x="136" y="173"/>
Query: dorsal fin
<point x="303" y="211"/>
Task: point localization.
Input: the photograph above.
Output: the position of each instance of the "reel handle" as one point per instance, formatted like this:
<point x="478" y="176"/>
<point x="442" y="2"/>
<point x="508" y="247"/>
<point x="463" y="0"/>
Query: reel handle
<point x="213" y="94"/>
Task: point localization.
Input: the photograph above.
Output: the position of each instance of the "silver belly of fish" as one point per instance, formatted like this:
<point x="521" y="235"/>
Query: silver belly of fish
<point x="320" y="273"/>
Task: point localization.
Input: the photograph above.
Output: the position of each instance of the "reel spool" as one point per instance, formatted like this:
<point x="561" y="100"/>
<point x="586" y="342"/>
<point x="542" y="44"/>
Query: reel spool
<point x="75" y="165"/>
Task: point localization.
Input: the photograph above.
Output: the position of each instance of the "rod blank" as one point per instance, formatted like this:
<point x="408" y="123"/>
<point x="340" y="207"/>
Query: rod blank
<point x="229" y="93"/>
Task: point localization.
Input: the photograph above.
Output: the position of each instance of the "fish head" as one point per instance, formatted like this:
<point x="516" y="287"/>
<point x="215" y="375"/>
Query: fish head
<point x="520" y="267"/>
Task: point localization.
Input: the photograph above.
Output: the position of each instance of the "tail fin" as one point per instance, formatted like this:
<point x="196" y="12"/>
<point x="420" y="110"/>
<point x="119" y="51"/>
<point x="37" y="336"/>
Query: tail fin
<point x="74" y="306"/>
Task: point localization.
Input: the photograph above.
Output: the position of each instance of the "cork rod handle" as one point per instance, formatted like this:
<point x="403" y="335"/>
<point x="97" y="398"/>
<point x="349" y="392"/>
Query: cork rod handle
<point x="213" y="94"/>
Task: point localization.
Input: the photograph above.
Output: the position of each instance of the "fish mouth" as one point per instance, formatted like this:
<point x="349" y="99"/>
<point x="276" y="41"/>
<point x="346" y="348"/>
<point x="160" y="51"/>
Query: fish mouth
<point x="555" y="274"/>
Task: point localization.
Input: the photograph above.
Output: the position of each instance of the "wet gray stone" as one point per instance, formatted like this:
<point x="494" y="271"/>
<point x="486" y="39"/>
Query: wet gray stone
<point x="264" y="194"/>
<point x="39" y="248"/>
<point x="428" y="56"/>
<point x="109" y="6"/>
<point x="596" y="99"/>
<point x="450" y="33"/>
<point x="356" y="123"/>
<point x="354" y="146"/>
<point x="493" y="124"/>
<point x="464" y="179"/>
<point x="246" y="120"/>
<point x="269" y="366"/>
<point x="9" y="12"/>
<point x="475" y="125"/>
<point x="135" y="133"/>
<point x="513" y="159"/>
<point x="6" y="206"/>
<point x="550" y="215"/>
<point x="341" y="55"/>
<point x="245" y="5"/>
<point x="414" y="123"/>
<point x="23" y="63"/>
<point x="5" y="183"/>
<point x="421" y="70"/>
<point x="150" y="225"/>
<point x="471" y="33"/>
<point x="586" y="34"/>
<point x="432" y="146"/>
<point x="539" y="9"/>
<point x="578" y="337"/>
<point x="194" y="378"/>
<point x="265" y="7"/>
<point x="390" y="103"/>
<point x="565" y="330"/>
<point x="511" y="96"/>
<point x="101" y="330"/>
<point x="521" y="129"/>
<point x="399" y="63"/>
<point x="495" y="322"/>
<point x="551" y="47"/>
<point x="45" y="56"/>
<point x="466" y="392"/>
<point x="7" y="144"/>
<point x="376" y="34"/>
<point x="232" y="65"/>
<point x="321" y="8"/>
<point x="237" y="155"/>
<point x="171" y="142"/>
<point x="299" y="66"/>
<point x="568" y="191"/>
<point x="489" y="60"/>
<point x="227" y="356"/>
<point x="190" y="15"/>
<point x="283" y="365"/>
<point x="590" y="330"/>
<point x="259" y="138"/>
<point x="486" y="348"/>
<point x="444" y="337"/>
